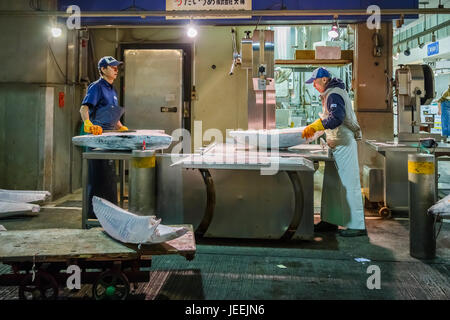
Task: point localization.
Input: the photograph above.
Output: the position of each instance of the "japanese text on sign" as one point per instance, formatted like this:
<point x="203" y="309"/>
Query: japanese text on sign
<point x="205" y="5"/>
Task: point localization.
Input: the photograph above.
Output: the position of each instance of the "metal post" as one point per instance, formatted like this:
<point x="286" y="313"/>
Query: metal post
<point x="121" y="181"/>
<point x="264" y="110"/>
<point x="85" y="195"/>
<point x="422" y="195"/>
<point x="142" y="182"/>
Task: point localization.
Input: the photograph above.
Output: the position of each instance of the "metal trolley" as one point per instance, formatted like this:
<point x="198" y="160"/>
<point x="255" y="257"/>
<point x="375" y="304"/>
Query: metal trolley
<point x="38" y="257"/>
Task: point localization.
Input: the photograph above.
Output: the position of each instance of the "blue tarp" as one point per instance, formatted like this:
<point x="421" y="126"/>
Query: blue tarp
<point x="445" y="118"/>
<point x="160" y="5"/>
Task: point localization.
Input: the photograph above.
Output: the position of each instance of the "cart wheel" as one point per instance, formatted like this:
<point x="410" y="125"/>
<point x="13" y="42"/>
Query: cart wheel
<point x="111" y="285"/>
<point x="189" y="257"/>
<point x="44" y="287"/>
<point x="385" y="213"/>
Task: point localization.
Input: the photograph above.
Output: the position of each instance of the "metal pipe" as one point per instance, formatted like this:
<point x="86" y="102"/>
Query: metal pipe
<point x="425" y="32"/>
<point x="229" y="13"/>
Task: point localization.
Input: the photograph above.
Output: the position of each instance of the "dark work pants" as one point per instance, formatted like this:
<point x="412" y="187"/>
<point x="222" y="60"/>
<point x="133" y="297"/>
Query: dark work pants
<point x="101" y="182"/>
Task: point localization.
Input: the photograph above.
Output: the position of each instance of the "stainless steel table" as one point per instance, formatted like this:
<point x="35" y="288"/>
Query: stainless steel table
<point x="98" y="154"/>
<point x="396" y="170"/>
<point x="241" y="200"/>
<point x="233" y="200"/>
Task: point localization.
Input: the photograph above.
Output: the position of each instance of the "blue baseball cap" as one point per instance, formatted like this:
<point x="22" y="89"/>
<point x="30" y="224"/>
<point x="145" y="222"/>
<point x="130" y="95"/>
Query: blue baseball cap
<point x="108" y="61"/>
<point x="319" y="73"/>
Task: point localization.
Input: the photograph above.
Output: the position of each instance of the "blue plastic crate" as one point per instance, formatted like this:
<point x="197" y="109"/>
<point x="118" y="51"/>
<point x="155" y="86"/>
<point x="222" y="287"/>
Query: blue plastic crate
<point x="445" y="118"/>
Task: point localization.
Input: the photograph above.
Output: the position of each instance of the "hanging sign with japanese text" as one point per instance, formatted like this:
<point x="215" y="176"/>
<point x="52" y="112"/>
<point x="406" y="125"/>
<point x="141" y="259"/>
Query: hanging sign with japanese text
<point x="207" y="5"/>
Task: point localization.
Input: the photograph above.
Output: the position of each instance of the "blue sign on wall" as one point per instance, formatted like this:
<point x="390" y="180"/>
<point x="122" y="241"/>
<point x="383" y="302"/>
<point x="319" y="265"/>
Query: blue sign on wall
<point x="433" y="48"/>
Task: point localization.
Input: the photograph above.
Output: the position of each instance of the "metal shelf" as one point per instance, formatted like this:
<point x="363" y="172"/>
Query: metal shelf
<point x="321" y="62"/>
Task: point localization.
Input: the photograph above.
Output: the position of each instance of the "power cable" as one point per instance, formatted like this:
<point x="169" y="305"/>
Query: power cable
<point x="56" y="61"/>
<point x="133" y="7"/>
<point x="257" y="23"/>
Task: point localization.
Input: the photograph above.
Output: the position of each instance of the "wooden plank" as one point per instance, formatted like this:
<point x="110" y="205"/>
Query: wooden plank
<point x="52" y="245"/>
<point x="305" y="54"/>
<point x="311" y="54"/>
<point x="347" y="54"/>
<point x="60" y="245"/>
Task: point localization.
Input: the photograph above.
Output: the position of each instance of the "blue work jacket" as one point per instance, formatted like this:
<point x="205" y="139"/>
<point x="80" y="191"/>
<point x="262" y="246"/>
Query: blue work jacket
<point x="104" y="109"/>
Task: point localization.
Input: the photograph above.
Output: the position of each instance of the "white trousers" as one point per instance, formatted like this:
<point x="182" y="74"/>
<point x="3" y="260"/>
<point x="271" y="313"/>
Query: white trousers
<point x="342" y="202"/>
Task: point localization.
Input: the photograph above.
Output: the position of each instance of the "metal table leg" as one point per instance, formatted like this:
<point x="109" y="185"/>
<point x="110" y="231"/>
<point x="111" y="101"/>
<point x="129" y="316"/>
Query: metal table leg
<point x="210" y="202"/>
<point x="85" y="196"/>
<point x="122" y="181"/>
<point x="298" y="211"/>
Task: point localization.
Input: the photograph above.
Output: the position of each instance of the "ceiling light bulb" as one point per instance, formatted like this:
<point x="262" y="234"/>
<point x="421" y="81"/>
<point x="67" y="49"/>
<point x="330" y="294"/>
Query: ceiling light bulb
<point x="56" y="32"/>
<point x="192" y="32"/>
<point x="334" y="32"/>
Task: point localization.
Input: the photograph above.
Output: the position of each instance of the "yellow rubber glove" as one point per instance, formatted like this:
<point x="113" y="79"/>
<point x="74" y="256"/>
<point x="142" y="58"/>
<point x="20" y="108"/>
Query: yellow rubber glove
<point x="91" y="128"/>
<point x="123" y="128"/>
<point x="312" y="128"/>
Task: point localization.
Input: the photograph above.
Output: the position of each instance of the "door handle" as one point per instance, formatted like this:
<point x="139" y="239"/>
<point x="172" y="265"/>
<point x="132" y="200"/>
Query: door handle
<point x="186" y="111"/>
<point x="169" y="109"/>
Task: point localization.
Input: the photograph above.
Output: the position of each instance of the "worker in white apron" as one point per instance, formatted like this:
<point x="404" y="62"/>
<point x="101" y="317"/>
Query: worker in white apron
<point x="342" y="203"/>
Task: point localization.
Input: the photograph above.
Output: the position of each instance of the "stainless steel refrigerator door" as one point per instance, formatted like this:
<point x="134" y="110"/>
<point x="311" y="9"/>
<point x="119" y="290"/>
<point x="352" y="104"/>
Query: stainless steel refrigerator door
<point x="153" y="89"/>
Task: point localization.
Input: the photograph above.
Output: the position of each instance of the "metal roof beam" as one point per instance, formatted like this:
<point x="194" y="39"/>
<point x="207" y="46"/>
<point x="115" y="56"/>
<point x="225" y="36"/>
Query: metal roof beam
<point x="229" y="13"/>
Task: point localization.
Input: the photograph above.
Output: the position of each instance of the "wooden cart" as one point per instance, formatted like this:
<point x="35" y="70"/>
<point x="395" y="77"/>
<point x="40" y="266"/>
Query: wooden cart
<point x="40" y="258"/>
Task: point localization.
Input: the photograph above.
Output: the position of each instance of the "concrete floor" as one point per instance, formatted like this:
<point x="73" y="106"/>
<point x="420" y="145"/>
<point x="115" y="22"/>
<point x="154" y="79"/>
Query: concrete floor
<point x="325" y="268"/>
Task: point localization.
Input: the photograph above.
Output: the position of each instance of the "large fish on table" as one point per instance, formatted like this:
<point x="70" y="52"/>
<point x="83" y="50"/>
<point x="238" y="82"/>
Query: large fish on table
<point x="24" y="195"/>
<point x="9" y="209"/>
<point x="441" y="208"/>
<point x="132" y="140"/>
<point x="272" y="138"/>
<point x="130" y="228"/>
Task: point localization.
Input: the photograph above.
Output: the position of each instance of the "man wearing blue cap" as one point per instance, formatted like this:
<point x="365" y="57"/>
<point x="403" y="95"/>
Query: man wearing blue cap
<point x="100" y="108"/>
<point x="341" y="194"/>
<point x="100" y="111"/>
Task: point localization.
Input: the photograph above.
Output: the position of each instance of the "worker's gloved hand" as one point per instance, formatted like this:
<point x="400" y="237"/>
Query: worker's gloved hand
<point x="310" y="130"/>
<point x="123" y="128"/>
<point x="91" y="128"/>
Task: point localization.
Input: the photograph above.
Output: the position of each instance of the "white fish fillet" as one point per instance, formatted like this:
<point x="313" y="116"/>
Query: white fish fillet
<point x="154" y="140"/>
<point x="441" y="208"/>
<point x="131" y="228"/>
<point x="10" y="208"/>
<point x="264" y="138"/>
<point x="23" y="195"/>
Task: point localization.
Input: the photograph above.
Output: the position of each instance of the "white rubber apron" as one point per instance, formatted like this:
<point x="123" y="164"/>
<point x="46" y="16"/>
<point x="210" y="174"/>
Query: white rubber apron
<point x="341" y="194"/>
